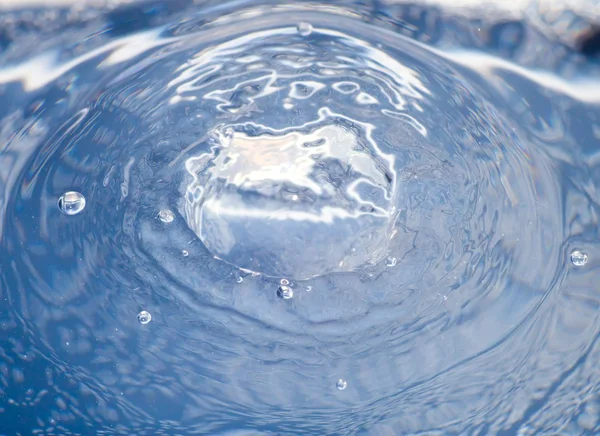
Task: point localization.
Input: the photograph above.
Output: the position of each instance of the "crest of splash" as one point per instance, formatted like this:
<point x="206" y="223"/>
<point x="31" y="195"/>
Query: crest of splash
<point x="299" y="202"/>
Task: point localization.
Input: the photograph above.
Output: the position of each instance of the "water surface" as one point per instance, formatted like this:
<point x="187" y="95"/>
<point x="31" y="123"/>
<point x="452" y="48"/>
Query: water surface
<point x="332" y="219"/>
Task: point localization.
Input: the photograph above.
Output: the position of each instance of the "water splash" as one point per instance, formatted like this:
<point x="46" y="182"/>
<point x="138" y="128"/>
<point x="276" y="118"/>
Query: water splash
<point x="475" y="173"/>
<point x="301" y="202"/>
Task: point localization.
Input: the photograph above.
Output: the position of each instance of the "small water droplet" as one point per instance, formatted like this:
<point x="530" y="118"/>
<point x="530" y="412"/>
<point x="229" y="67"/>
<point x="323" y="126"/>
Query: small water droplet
<point x="285" y="292"/>
<point x="239" y="279"/>
<point x="391" y="261"/>
<point x="71" y="203"/>
<point x="144" y="317"/>
<point x="185" y="253"/>
<point x="166" y="216"/>
<point x="341" y="384"/>
<point x="304" y="29"/>
<point x="284" y="282"/>
<point x="308" y="288"/>
<point x="578" y="258"/>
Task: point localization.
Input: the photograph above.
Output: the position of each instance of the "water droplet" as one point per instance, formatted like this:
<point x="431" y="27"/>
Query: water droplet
<point x="71" y="203"/>
<point x="304" y="29"/>
<point x="341" y="384"/>
<point x="239" y="279"/>
<point x="391" y="261"/>
<point x="578" y="258"/>
<point x="185" y="253"/>
<point x="285" y="292"/>
<point x="308" y="288"/>
<point x="284" y="282"/>
<point x="166" y="216"/>
<point x="144" y="317"/>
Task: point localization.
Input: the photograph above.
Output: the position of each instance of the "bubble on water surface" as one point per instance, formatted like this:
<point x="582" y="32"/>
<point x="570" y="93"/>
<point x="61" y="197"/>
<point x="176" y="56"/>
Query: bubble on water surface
<point x="166" y="216"/>
<point x="285" y="292"/>
<point x="578" y="258"/>
<point x="71" y="203"/>
<point x="341" y="384"/>
<point x="185" y="253"/>
<point x="304" y="29"/>
<point x="299" y="202"/>
<point x="144" y="317"/>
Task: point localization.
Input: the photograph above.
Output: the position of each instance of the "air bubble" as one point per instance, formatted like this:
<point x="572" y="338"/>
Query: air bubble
<point x="166" y="216"/>
<point x="285" y="292"/>
<point x="239" y="279"/>
<point x="308" y="288"/>
<point x="144" y="317"/>
<point x="185" y="253"/>
<point x="71" y="203"/>
<point x="304" y="29"/>
<point x="391" y="261"/>
<point x="578" y="258"/>
<point x="284" y="282"/>
<point x="341" y="384"/>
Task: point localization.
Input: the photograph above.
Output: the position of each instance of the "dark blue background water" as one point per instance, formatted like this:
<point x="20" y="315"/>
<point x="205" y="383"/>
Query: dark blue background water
<point x="474" y="318"/>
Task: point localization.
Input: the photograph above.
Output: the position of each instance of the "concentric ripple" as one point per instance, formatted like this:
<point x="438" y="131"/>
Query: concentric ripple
<point x="336" y="230"/>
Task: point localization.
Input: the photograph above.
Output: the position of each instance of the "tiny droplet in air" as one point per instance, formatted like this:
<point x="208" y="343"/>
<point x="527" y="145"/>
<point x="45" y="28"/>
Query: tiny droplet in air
<point x="144" y="317"/>
<point x="304" y="29"/>
<point x="166" y="216"/>
<point x="71" y="203"/>
<point x="285" y="292"/>
<point x="578" y="258"/>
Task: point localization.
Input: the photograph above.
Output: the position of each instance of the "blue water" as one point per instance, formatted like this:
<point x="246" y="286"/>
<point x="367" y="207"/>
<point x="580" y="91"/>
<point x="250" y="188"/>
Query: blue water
<point x="240" y="218"/>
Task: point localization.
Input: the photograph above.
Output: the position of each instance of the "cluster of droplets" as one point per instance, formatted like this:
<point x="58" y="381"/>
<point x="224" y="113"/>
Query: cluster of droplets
<point x="72" y="203"/>
<point x="285" y="291"/>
